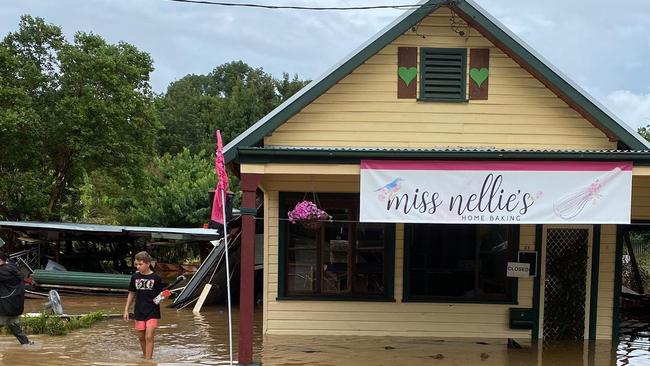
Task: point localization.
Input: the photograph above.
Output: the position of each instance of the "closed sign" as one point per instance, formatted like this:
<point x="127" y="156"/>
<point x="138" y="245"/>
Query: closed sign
<point x="516" y="269"/>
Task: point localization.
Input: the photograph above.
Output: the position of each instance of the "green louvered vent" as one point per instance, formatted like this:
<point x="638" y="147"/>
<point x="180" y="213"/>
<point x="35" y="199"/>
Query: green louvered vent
<point x="442" y="74"/>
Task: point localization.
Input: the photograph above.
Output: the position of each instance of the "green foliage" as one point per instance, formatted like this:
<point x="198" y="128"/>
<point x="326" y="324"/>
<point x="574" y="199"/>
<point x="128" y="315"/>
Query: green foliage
<point x="288" y="87"/>
<point x="187" y="112"/>
<point x="644" y="132"/>
<point x="80" y="126"/>
<point x="35" y="325"/>
<point x="85" y="321"/>
<point x="68" y="110"/>
<point x="103" y="199"/>
<point x="640" y="243"/>
<point x="174" y="193"/>
<point x="57" y="326"/>
<point x="230" y="98"/>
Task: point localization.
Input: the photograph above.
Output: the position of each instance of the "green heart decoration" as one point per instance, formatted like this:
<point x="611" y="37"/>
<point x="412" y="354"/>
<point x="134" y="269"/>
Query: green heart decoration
<point x="479" y="76"/>
<point x="407" y="74"/>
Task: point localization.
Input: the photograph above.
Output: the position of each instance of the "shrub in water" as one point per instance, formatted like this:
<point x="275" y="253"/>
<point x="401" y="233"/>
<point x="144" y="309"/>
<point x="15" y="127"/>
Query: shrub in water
<point x="56" y="326"/>
<point x="35" y="325"/>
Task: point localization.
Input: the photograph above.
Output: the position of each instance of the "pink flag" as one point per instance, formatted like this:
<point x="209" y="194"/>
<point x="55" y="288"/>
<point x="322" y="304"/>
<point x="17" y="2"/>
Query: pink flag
<point x="222" y="185"/>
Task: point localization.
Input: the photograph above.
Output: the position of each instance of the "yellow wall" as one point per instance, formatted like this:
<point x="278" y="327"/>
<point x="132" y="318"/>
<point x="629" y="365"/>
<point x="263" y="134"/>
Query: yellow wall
<point x="606" y="276"/>
<point x="374" y="318"/>
<point x="398" y="318"/>
<point x="641" y="198"/>
<point x="362" y="110"/>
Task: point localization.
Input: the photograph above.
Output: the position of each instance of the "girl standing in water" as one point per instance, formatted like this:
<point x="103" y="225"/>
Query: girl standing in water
<point x="145" y="286"/>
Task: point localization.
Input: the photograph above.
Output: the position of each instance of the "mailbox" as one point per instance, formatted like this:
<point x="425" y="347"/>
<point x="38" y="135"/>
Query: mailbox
<point x="522" y="318"/>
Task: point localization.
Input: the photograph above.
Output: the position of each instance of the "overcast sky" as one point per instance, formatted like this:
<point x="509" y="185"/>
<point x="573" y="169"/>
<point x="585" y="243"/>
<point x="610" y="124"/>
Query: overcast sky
<point x="603" y="46"/>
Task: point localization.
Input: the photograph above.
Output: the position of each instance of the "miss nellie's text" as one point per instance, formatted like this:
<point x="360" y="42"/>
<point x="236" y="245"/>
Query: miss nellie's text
<point x="490" y="199"/>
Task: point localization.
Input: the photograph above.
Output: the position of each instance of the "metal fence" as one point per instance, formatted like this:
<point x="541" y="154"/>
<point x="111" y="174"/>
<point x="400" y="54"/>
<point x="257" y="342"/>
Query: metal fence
<point x="640" y="246"/>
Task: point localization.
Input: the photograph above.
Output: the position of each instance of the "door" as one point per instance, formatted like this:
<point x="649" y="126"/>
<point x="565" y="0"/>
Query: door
<point x="565" y="283"/>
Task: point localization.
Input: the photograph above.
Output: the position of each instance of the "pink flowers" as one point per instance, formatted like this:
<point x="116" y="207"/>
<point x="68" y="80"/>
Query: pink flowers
<point x="307" y="211"/>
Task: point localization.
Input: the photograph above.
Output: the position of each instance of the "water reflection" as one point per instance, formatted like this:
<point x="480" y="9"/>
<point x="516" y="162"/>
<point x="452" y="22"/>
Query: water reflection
<point x="326" y="351"/>
<point x="183" y="337"/>
<point x="634" y="347"/>
<point x="634" y="351"/>
<point x="188" y="339"/>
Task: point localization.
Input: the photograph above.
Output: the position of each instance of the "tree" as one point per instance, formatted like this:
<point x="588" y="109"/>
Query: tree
<point x="187" y="111"/>
<point x="104" y="199"/>
<point x="644" y="132"/>
<point x="69" y="110"/>
<point x="27" y="80"/>
<point x="174" y="193"/>
<point x="288" y="87"/>
<point x="230" y="98"/>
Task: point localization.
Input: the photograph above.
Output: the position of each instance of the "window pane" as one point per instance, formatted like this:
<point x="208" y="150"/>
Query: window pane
<point x="466" y="262"/>
<point x="494" y="256"/>
<point x="368" y="276"/>
<point x="302" y="260"/>
<point x="336" y="253"/>
<point x="341" y="258"/>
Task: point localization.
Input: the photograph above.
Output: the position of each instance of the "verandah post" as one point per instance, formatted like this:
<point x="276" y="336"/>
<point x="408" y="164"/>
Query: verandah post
<point x="249" y="184"/>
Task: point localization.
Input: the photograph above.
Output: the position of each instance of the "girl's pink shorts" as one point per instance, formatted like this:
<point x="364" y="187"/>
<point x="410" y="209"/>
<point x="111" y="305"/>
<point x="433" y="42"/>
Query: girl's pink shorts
<point x="144" y="324"/>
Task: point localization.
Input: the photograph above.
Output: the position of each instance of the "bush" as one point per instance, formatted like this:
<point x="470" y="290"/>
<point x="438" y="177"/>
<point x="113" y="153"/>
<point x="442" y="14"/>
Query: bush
<point x="35" y="325"/>
<point x="56" y="326"/>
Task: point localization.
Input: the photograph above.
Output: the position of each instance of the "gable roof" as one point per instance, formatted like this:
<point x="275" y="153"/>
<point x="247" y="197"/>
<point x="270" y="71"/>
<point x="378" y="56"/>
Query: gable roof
<point x="490" y="28"/>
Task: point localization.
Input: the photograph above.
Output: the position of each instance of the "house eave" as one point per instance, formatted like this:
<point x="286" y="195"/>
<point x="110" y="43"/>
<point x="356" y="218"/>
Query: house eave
<point x="301" y="155"/>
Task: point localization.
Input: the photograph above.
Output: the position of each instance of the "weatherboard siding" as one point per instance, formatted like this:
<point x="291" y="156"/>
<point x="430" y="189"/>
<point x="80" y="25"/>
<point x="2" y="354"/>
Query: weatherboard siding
<point x="641" y="198"/>
<point x="374" y="318"/>
<point x="606" y="282"/>
<point x="398" y="318"/>
<point x="362" y="109"/>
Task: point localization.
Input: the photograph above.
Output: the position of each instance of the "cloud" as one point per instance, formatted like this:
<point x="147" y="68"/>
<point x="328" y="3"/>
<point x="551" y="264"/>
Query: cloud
<point x="527" y="24"/>
<point x="598" y="45"/>
<point x="191" y="38"/>
<point x="592" y="42"/>
<point x="632" y="108"/>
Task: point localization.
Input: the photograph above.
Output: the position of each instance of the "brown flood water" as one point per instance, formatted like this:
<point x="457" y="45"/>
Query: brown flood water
<point x="187" y="339"/>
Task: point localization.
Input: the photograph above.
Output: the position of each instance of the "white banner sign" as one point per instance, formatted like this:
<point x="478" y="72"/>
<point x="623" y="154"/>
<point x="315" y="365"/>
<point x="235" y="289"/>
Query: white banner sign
<point x="510" y="192"/>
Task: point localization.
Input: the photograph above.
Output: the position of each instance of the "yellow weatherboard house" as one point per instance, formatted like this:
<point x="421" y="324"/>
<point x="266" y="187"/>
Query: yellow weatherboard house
<point x="470" y="189"/>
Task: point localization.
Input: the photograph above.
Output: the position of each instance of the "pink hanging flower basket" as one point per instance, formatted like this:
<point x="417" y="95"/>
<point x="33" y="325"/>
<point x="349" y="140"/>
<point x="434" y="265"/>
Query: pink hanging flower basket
<point x="311" y="225"/>
<point x="308" y="214"/>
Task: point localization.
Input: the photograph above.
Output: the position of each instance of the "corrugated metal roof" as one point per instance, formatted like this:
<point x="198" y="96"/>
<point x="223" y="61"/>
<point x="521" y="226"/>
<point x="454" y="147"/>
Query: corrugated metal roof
<point x="446" y="149"/>
<point x="353" y="155"/>
<point x="157" y="232"/>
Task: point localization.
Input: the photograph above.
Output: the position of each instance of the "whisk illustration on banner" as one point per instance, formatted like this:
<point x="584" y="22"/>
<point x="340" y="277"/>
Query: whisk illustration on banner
<point x="572" y="204"/>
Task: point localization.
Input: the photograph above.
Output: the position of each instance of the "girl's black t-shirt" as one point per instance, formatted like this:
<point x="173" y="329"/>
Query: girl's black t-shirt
<point x="146" y="288"/>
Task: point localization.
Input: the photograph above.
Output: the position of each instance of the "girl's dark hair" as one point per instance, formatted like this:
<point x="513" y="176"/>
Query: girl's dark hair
<point x="143" y="256"/>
